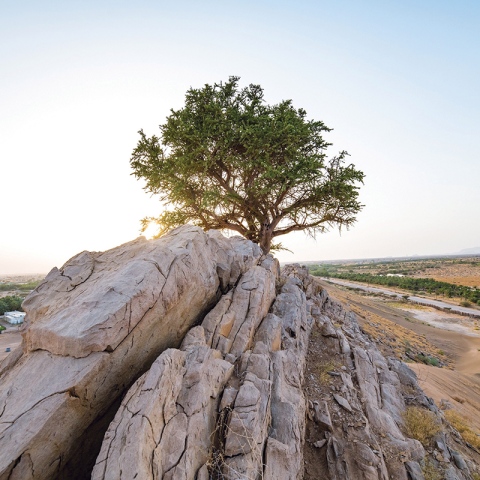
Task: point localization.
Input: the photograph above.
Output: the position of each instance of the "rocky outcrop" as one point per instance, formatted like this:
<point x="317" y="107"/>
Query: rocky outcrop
<point x="194" y="357"/>
<point x="93" y="327"/>
<point x="164" y="426"/>
<point x="357" y="400"/>
<point x="219" y="408"/>
<point x="358" y="409"/>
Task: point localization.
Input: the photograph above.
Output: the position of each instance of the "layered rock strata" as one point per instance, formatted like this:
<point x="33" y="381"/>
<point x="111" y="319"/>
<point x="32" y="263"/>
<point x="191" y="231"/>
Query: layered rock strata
<point x="193" y="357"/>
<point x="356" y="412"/>
<point x="258" y="404"/>
<point x="93" y="327"/>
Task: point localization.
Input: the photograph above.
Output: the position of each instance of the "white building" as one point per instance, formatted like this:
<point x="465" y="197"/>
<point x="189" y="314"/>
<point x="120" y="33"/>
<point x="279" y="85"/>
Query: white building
<point x="14" y="317"/>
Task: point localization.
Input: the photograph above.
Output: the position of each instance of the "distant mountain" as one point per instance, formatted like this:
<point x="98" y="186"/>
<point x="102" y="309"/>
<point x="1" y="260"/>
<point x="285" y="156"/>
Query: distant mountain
<point x="470" y="251"/>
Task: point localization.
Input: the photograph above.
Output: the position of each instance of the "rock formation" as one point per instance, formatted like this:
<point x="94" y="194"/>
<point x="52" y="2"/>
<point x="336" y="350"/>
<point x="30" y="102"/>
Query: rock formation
<point x="93" y="327"/>
<point x="194" y="357"/>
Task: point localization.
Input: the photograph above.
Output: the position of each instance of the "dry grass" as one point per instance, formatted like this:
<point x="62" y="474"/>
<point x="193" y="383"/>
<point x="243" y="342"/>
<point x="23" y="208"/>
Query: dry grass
<point x="467" y="280"/>
<point x="431" y="472"/>
<point x="421" y="424"/>
<point x="460" y="424"/>
<point x="217" y="465"/>
<point x="406" y="305"/>
<point x="322" y="369"/>
<point x="400" y="339"/>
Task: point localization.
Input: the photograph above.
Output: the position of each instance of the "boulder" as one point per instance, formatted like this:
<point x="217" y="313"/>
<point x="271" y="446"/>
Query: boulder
<point x="343" y="402"/>
<point x="284" y="446"/>
<point x="202" y="389"/>
<point x="414" y="471"/>
<point x="232" y="323"/>
<point x="92" y="328"/>
<point x="322" y="416"/>
<point x="164" y="426"/>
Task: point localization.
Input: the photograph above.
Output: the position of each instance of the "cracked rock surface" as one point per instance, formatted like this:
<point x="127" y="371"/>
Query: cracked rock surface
<point x="193" y="357"/>
<point x="357" y="399"/>
<point x="92" y="328"/>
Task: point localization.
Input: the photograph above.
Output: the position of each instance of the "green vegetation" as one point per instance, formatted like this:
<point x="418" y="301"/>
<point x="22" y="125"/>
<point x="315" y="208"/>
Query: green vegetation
<point x="408" y="267"/>
<point x="323" y="270"/>
<point x="415" y="285"/>
<point x="9" y="303"/>
<point x="227" y="160"/>
<point x="22" y="287"/>
<point x="427" y="360"/>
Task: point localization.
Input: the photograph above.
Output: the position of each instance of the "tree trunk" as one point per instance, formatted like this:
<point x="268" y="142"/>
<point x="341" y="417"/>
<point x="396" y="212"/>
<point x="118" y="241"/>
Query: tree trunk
<point x="265" y="239"/>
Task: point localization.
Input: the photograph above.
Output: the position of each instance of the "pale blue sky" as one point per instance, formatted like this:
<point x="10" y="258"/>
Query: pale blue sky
<point x="398" y="82"/>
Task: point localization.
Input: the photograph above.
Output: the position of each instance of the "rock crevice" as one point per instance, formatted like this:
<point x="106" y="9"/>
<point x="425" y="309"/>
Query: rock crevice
<point x="195" y="357"/>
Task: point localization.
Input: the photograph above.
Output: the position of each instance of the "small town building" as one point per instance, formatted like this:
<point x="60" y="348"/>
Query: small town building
<point x="14" y="317"/>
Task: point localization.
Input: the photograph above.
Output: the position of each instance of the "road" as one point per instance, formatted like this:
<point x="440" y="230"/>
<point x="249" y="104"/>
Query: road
<point x="412" y="298"/>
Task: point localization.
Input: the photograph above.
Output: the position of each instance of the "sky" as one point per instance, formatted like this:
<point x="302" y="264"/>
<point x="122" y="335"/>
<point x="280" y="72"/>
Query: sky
<point x="397" y="81"/>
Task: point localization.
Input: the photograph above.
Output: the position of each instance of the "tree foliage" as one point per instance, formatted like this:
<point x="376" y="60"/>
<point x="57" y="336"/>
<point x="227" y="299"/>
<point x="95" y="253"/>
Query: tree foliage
<point x="23" y="287"/>
<point x="228" y="160"/>
<point x="412" y="284"/>
<point x="10" y="303"/>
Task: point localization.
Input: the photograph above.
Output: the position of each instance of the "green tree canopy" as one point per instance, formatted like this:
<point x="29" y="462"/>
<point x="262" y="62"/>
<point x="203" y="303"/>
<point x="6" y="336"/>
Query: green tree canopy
<point x="228" y="160"/>
<point x="10" y="303"/>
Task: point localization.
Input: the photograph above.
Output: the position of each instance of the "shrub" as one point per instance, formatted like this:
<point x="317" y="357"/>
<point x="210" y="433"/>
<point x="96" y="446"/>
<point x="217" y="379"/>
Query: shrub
<point x="322" y="369"/>
<point x="460" y="424"/>
<point x="427" y="360"/>
<point x="431" y="472"/>
<point x="421" y="424"/>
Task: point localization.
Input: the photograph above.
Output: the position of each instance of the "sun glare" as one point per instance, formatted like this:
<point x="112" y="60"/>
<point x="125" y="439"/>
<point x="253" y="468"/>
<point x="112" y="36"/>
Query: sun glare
<point x="150" y="231"/>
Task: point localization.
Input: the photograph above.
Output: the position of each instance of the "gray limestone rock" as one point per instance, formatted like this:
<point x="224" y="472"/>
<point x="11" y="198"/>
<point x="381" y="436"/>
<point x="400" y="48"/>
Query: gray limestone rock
<point x="322" y="416"/>
<point x="343" y="402"/>
<point x="288" y="401"/>
<point x="405" y="374"/>
<point x="92" y="327"/>
<point x="232" y="323"/>
<point x="164" y="426"/>
<point x="215" y="360"/>
<point x="414" y="471"/>
<point x="458" y="459"/>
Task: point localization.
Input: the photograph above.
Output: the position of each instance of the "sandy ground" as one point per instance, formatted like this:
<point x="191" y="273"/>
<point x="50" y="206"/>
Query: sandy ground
<point x="461" y="387"/>
<point x="10" y="338"/>
<point x="452" y="322"/>
<point x="468" y="280"/>
<point x="461" y="390"/>
<point x="459" y="384"/>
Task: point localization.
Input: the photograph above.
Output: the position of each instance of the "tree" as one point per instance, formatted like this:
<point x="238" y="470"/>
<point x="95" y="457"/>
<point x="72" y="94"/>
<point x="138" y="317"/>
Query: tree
<point x="228" y="160"/>
<point x="10" y="303"/>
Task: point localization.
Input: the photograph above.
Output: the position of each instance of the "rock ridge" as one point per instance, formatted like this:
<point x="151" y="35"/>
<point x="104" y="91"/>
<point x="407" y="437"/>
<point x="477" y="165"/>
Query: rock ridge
<point x="195" y="357"/>
<point x="92" y="328"/>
